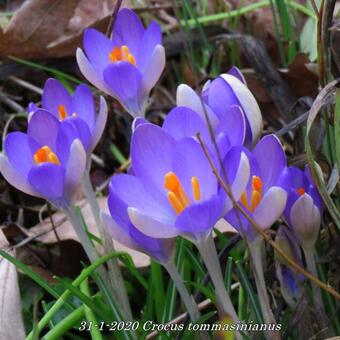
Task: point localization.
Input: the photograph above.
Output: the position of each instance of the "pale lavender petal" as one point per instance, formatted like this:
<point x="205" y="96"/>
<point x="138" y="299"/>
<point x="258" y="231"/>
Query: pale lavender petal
<point x="99" y="124"/>
<point x="55" y="94"/>
<point x="125" y="81"/>
<point x="91" y="74"/>
<point x="249" y="104"/>
<point x="186" y="96"/>
<point x="271" y="207"/>
<point x="151" y="38"/>
<point x="83" y="105"/>
<point x="75" y="168"/>
<point x="153" y="69"/>
<point x="15" y="178"/>
<point x="151" y="226"/>
<point x="138" y="121"/>
<point x="305" y="219"/>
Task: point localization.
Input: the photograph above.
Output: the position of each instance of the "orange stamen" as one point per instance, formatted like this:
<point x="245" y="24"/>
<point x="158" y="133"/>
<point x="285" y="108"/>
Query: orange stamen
<point x="45" y="155"/>
<point x="175" y="202"/>
<point x="257" y="184"/>
<point x="244" y="199"/>
<point x="122" y="54"/>
<point x="195" y="184"/>
<point x="62" y="112"/>
<point x="300" y="191"/>
<point x="256" y="194"/>
<point x="255" y="200"/>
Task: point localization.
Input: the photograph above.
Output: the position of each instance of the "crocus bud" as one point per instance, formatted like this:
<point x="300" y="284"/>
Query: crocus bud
<point x="304" y="205"/>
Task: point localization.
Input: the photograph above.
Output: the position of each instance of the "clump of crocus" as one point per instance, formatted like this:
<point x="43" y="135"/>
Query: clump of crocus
<point x="77" y="111"/>
<point x="222" y="96"/>
<point x="126" y="66"/>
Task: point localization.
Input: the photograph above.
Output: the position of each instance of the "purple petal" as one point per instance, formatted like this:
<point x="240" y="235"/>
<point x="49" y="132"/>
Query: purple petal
<point x="137" y="122"/>
<point x="75" y="169"/>
<point x="182" y="122"/>
<point x="15" y="178"/>
<point x="128" y="30"/>
<point x="189" y="161"/>
<point x="32" y="107"/>
<point x="97" y="48"/>
<point x="99" y="125"/>
<point x="55" y="94"/>
<point x="221" y="97"/>
<point x="83" y="105"/>
<point x="152" y="152"/>
<point x="43" y="128"/>
<point x="48" y="180"/>
<point x="271" y="160"/>
<point x="199" y="218"/>
<point x="124" y="80"/>
<point x="151" y="38"/>
<point x="234" y="71"/>
<point x="232" y="123"/>
<point x="20" y="149"/>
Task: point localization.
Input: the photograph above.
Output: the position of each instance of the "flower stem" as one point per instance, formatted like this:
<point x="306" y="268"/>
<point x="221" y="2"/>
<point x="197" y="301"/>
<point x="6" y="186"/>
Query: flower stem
<point x="317" y="298"/>
<point x="255" y="249"/>
<point x="115" y="279"/>
<point x="208" y="252"/>
<point x="183" y="292"/>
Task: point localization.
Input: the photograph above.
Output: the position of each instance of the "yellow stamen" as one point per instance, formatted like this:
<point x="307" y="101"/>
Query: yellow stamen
<point x="45" y="155"/>
<point x="175" y="202"/>
<point x="196" y="188"/>
<point x="244" y="199"/>
<point x="122" y="54"/>
<point x="255" y="200"/>
<point x="300" y="191"/>
<point x="62" y="112"/>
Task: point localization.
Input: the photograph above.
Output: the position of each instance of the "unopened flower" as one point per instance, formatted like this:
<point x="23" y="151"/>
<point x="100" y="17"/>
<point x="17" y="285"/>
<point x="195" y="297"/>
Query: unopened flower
<point x="290" y="280"/>
<point x="304" y="205"/>
<point x="40" y="163"/>
<point x="264" y="199"/>
<point x="127" y="66"/>
<point x="220" y="96"/>
<point x="173" y="190"/>
<point x="77" y="111"/>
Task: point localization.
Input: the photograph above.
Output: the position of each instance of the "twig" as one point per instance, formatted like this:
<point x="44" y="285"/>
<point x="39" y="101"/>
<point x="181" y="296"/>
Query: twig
<point x="259" y="229"/>
<point x="111" y="25"/>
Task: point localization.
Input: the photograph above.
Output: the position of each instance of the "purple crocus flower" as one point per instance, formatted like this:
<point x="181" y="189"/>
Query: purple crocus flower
<point x="304" y="204"/>
<point x="127" y="66"/>
<point x="42" y="164"/>
<point x="220" y="97"/>
<point x="173" y="190"/>
<point x="264" y="199"/>
<point x="76" y="111"/>
<point x="290" y="280"/>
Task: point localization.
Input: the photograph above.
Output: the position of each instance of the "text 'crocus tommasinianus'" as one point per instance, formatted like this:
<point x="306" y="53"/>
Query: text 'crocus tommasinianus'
<point x="304" y="205"/>
<point x="223" y="96"/>
<point x="264" y="199"/>
<point x="77" y="111"/>
<point x="127" y="66"/>
<point x="172" y="190"/>
<point x="42" y="162"/>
